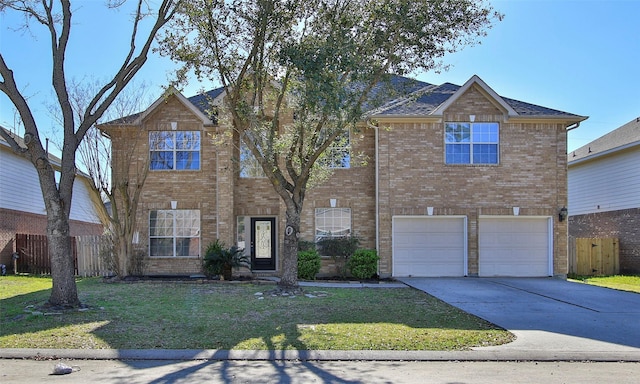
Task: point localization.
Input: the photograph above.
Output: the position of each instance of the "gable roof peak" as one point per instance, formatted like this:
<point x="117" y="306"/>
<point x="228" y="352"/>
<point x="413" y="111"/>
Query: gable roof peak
<point x="475" y="80"/>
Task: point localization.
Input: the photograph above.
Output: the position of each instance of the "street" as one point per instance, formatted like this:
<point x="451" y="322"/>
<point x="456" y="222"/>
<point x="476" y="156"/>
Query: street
<point x="204" y="371"/>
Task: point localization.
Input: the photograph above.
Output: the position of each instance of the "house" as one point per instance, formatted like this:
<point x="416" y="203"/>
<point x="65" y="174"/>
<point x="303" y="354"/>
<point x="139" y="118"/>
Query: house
<point x="22" y="208"/>
<point x="459" y="181"/>
<point x="604" y="192"/>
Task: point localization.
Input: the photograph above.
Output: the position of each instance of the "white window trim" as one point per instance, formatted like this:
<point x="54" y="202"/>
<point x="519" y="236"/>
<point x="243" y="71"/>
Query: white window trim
<point x="175" y="151"/>
<point x="254" y="168"/>
<point x="335" y="148"/>
<point x="315" y="219"/>
<point x="471" y="143"/>
<point x="174" y="236"/>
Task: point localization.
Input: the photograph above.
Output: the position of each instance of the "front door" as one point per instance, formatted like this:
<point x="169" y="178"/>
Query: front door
<point x="263" y="243"/>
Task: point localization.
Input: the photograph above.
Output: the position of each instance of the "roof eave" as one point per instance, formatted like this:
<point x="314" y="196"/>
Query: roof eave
<point x="604" y="153"/>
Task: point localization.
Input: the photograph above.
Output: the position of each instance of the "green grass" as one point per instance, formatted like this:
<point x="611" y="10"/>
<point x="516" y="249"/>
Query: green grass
<point x="620" y="282"/>
<point x="231" y="316"/>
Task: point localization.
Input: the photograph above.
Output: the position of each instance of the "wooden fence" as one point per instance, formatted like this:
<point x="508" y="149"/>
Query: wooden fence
<point x="594" y="256"/>
<point x="33" y="252"/>
<point x="89" y="259"/>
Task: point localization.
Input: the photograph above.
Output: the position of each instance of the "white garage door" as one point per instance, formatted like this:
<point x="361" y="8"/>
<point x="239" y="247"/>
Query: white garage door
<point x="429" y="246"/>
<point x="514" y="246"/>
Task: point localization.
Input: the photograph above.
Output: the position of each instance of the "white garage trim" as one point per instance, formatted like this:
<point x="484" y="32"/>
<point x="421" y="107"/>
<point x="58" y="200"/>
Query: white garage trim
<point x="520" y="246"/>
<point x="429" y="246"/>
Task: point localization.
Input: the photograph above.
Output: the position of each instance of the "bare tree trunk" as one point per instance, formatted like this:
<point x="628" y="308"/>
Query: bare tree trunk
<point x="289" y="277"/>
<point x="64" y="292"/>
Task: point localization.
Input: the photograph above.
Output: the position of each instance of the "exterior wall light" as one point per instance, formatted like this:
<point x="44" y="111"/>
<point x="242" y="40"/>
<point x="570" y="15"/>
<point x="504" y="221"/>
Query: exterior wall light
<point x="562" y="215"/>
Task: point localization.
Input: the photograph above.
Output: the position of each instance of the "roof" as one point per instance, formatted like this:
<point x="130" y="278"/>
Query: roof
<point x="19" y="140"/>
<point x="621" y="138"/>
<point x="199" y="105"/>
<point x="432" y="100"/>
<point x="54" y="160"/>
<point x="204" y="100"/>
<point x="399" y="96"/>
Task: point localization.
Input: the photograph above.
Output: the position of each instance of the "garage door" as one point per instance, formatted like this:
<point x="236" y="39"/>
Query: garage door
<point x="514" y="246"/>
<point x="429" y="246"/>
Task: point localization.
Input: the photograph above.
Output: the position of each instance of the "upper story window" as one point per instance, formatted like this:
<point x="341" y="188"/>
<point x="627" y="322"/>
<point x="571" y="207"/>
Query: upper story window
<point x="249" y="165"/>
<point x="471" y="143"/>
<point x="338" y="154"/>
<point x="174" y="150"/>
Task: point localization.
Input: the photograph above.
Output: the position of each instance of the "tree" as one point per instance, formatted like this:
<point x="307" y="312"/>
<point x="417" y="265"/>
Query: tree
<point x="121" y="190"/>
<point x="57" y="20"/>
<point x="298" y="74"/>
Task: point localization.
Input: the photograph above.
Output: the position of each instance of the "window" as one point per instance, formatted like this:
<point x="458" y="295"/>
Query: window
<point x="174" y="233"/>
<point x="471" y="143"/>
<point x="338" y="154"/>
<point x="174" y="150"/>
<point x="333" y="222"/>
<point x="249" y="166"/>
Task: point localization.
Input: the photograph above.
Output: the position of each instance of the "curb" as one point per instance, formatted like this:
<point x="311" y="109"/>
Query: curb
<point x="325" y="355"/>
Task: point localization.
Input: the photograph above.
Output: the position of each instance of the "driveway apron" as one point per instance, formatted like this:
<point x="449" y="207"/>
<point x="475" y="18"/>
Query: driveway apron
<point x="545" y="314"/>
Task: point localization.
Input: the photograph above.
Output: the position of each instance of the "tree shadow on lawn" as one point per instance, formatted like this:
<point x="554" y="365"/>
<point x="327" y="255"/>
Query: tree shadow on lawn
<point x="283" y="333"/>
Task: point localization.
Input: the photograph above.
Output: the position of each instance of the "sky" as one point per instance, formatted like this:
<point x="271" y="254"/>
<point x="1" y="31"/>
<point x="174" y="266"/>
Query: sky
<point x="577" y="56"/>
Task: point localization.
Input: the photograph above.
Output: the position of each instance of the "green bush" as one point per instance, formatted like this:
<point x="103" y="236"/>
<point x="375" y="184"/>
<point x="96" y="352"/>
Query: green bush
<point x="306" y="245"/>
<point x="338" y="246"/>
<point x="363" y="264"/>
<point x="219" y="260"/>
<point x="308" y="264"/>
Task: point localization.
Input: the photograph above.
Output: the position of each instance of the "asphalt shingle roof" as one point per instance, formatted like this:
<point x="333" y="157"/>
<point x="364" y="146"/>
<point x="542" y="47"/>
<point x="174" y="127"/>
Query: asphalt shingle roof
<point x="399" y="96"/>
<point x="624" y="136"/>
<point x="434" y="96"/>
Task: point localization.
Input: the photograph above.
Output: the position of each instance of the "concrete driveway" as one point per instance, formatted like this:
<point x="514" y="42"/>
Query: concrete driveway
<point x="549" y="316"/>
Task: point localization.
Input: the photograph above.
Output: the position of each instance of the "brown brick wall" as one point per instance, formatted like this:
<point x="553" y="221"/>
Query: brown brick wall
<point x="352" y="188"/>
<point x="12" y="222"/>
<point x="531" y="174"/>
<point x="622" y="224"/>
<point x="191" y="189"/>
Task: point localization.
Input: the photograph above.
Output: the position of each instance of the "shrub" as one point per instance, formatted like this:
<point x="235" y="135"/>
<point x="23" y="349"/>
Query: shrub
<point x="306" y="245"/>
<point x="219" y="260"/>
<point x="338" y="246"/>
<point x="364" y="263"/>
<point x="308" y="264"/>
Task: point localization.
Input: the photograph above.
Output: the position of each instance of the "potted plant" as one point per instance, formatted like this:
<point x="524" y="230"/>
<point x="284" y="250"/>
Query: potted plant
<point x="220" y="260"/>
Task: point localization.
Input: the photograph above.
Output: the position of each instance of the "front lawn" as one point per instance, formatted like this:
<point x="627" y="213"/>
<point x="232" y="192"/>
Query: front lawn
<point x="217" y="315"/>
<point x="620" y="282"/>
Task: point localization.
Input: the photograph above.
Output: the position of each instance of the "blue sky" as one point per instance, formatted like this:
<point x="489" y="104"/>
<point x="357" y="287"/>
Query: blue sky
<point x="578" y="56"/>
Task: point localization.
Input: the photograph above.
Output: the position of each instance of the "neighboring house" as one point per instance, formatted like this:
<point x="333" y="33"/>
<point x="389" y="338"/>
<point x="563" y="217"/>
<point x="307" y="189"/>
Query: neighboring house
<point x="604" y="192"/>
<point x="459" y="182"/>
<point x="22" y="207"/>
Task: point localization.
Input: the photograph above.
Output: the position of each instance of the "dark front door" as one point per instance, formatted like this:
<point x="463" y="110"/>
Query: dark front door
<point x="263" y="243"/>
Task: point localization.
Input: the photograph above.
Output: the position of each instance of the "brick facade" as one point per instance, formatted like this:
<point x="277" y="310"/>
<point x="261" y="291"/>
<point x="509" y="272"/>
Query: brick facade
<point x="13" y="222"/>
<point x="531" y="174"/>
<point x="622" y="224"/>
<point x="411" y="176"/>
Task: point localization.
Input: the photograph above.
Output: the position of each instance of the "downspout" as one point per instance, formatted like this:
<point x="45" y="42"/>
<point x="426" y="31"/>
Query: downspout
<point x="217" y="193"/>
<point x="375" y="130"/>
